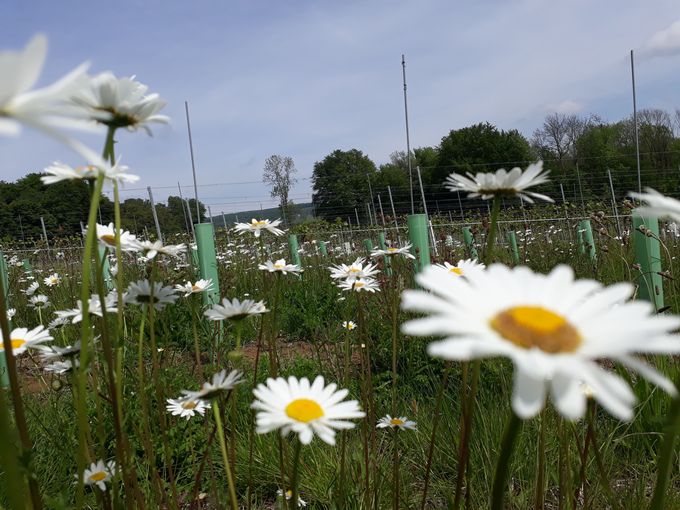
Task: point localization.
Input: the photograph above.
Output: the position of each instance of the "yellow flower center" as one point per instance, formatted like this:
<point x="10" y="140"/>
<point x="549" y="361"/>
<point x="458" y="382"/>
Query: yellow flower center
<point x="396" y="421"/>
<point x="109" y="239"/>
<point x="259" y="223"/>
<point x="304" y="410"/>
<point x="456" y="270"/>
<point x="98" y="476"/>
<point x="195" y="288"/>
<point x="353" y="270"/>
<point x="16" y="343"/>
<point x="359" y="284"/>
<point x="289" y="494"/>
<point x="189" y="405"/>
<point x="534" y="326"/>
<point x="278" y="265"/>
<point x="391" y="249"/>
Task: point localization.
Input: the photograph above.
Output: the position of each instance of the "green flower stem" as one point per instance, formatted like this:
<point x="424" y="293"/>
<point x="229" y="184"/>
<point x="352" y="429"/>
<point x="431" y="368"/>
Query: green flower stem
<point x="539" y="494"/>
<point x="491" y="237"/>
<point x="295" y="475"/>
<point x="86" y="335"/>
<point x="19" y="416"/>
<point x="666" y="456"/>
<point x="435" y="424"/>
<point x="512" y="429"/>
<point x="225" y="458"/>
<point x="395" y="470"/>
<point x="604" y="479"/>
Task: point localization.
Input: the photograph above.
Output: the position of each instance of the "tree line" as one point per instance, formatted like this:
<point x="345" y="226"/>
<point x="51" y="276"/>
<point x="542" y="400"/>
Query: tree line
<point x="581" y="152"/>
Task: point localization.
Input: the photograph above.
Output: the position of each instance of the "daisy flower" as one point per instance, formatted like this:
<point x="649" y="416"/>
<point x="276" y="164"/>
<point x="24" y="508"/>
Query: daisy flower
<point x="467" y="268"/>
<point x="141" y="293"/>
<point x="46" y="109"/>
<point x="186" y="408"/>
<point x="501" y="183"/>
<point x="11" y="312"/>
<point x="53" y="352"/>
<point x="289" y="494"/>
<point x="121" y="103"/>
<point x="296" y="406"/>
<point x="657" y="204"/>
<point x="94" y="307"/>
<point x="152" y="248"/>
<point x="235" y="310"/>
<point x="354" y="271"/>
<point x="62" y="367"/>
<point x="39" y="301"/>
<point x="360" y="285"/>
<point x="257" y="226"/>
<point x="280" y="266"/>
<point x="31" y="289"/>
<point x="221" y="383"/>
<point x="391" y="251"/>
<point x="52" y="280"/>
<point x="99" y="474"/>
<point x="348" y="325"/>
<point x="401" y="423"/>
<point x="554" y="329"/>
<point x="194" y="288"/>
<point x="58" y="172"/>
<point x="106" y="234"/>
<point x="23" y="339"/>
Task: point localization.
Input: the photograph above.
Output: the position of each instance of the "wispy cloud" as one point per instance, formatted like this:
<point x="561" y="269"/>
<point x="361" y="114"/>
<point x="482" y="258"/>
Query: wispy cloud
<point x="664" y="43"/>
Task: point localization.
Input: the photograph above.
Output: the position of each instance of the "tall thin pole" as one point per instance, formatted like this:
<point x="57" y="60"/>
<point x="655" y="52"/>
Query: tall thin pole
<point x="370" y="192"/>
<point x="394" y="214"/>
<point x="211" y="217"/>
<point x="191" y="220"/>
<point x="193" y="165"/>
<point x="637" y="137"/>
<point x="382" y="214"/>
<point x="47" y="242"/>
<point x="155" y="215"/>
<point x="408" y="138"/>
<point x="184" y="211"/>
<point x="357" y="215"/>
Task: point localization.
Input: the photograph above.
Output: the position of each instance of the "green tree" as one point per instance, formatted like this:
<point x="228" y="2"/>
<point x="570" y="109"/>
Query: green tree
<point x="340" y="184"/>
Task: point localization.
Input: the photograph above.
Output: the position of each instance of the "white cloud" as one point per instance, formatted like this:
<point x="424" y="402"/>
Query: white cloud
<point x="567" y="106"/>
<point x="663" y="43"/>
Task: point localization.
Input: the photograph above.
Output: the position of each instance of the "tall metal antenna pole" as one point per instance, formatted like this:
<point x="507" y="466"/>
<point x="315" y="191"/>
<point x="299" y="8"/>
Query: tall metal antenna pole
<point x="193" y="166"/>
<point x="370" y="192"/>
<point x="184" y="211"/>
<point x="637" y="137"/>
<point x="408" y="138"/>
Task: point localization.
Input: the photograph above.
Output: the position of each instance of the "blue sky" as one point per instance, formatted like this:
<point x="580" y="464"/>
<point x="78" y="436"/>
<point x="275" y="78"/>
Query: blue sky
<point x="303" y="78"/>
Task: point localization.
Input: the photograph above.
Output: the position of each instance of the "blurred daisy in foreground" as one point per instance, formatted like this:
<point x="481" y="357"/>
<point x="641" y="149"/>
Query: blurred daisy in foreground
<point x="121" y="102"/>
<point x="22" y="339"/>
<point x="150" y="249"/>
<point x="221" y="383"/>
<point x="195" y="288"/>
<point x="99" y="474"/>
<point x="502" y="183"/>
<point x="106" y="235"/>
<point x="280" y="266"/>
<point x="257" y="226"/>
<point x="467" y="268"/>
<point x="47" y="109"/>
<point x="305" y="409"/>
<point x="401" y="423"/>
<point x="94" y="307"/>
<point x="235" y="310"/>
<point x="657" y="204"/>
<point x="554" y="329"/>
<point x="141" y="293"/>
<point x="186" y="408"/>
<point x="404" y="251"/>
<point x="289" y="494"/>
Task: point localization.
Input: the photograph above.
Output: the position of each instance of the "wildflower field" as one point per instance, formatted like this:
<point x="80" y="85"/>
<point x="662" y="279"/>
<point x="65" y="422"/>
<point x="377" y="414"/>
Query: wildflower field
<point x="492" y="363"/>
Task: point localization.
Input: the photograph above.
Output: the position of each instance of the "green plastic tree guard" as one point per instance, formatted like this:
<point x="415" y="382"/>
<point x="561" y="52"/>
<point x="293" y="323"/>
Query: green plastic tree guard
<point x="207" y="261"/>
<point x="293" y="246"/>
<point x="106" y="269"/>
<point x="194" y="257"/>
<point x="27" y="266"/>
<point x="383" y="246"/>
<point x="648" y="255"/>
<point x="512" y="241"/>
<point x="588" y="241"/>
<point x="420" y="243"/>
<point x="322" y="249"/>
<point x="470" y="243"/>
<point x="4" y="376"/>
<point x="579" y="239"/>
<point x="368" y="246"/>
